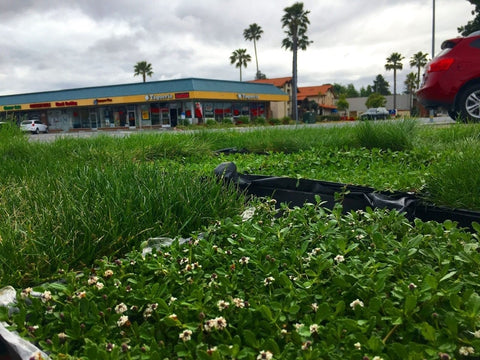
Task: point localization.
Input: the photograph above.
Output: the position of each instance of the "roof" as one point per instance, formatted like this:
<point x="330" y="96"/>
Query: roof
<point x="313" y="91"/>
<point x="278" y="82"/>
<point x="150" y="87"/>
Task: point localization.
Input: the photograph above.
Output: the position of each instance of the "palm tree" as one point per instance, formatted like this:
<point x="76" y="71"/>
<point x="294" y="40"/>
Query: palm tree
<point x="240" y="58"/>
<point x="295" y="20"/>
<point x="143" y="68"/>
<point x="418" y="60"/>
<point x="411" y="83"/>
<point x="394" y="62"/>
<point x="254" y="32"/>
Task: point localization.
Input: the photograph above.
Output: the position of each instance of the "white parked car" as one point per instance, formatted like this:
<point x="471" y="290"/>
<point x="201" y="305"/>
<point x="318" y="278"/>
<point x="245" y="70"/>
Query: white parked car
<point x="34" y="126"/>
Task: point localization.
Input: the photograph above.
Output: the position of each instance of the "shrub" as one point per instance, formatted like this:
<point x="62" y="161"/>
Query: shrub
<point x="243" y="120"/>
<point x="227" y="121"/>
<point x="286" y="120"/>
<point x="274" y="121"/>
<point x="259" y="121"/>
<point x="210" y="122"/>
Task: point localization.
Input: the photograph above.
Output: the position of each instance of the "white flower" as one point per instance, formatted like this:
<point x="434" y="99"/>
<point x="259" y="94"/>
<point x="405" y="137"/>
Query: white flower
<point x="121" y="308"/>
<point x="92" y="280"/>
<point x="46" y="296"/>
<point x="218" y="323"/>
<point x="314" y="307"/>
<point x="358" y="346"/>
<point x="99" y="285"/>
<point x="339" y="258"/>
<point x="265" y="355"/>
<point x="239" y="303"/>
<point x="108" y="273"/>
<point x="477" y="334"/>
<point x="222" y="305"/>
<point x="377" y="358"/>
<point x="268" y="280"/>
<point x="356" y="303"/>
<point x="244" y="260"/>
<point x="186" y="335"/>
<point x="466" y="350"/>
<point x="298" y="326"/>
<point x="172" y="300"/>
<point x="123" y="320"/>
<point x="314" y="329"/>
<point x="306" y="345"/>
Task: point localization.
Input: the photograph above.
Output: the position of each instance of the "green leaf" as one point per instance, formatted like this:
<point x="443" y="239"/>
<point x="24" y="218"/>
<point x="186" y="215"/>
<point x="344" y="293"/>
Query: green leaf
<point x="448" y="276"/>
<point x="410" y="304"/>
<point x="250" y="338"/>
<point x="428" y="332"/>
<point x="265" y="311"/>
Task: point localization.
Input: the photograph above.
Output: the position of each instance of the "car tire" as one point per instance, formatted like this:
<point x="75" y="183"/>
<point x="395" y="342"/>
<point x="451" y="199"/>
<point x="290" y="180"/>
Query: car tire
<point x="469" y="104"/>
<point x="453" y="113"/>
<point x="37" y="131"/>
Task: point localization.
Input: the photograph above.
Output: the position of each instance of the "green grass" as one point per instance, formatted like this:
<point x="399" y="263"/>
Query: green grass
<point x="64" y="204"/>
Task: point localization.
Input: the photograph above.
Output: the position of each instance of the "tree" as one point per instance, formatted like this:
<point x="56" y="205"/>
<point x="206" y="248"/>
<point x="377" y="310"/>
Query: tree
<point x="381" y="86"/>
<point x="394" y="62"/>
<point x="418" y="60"/>
<point x="342" y="103"/>
<point x="365" y="92"/>
<point x="254" y="32"/>
<point x="472" y="25"/>
<point x="411" y="85"/>
<point x="240" y="58"/>
<point x="375" y="100"/>
<point x="295" y="20"/>
<point x="143" y="68"/>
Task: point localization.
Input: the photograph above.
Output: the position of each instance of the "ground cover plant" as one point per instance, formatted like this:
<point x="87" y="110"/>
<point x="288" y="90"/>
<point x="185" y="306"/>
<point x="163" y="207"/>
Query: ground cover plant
<point x="64" y="205"/>
<point x="303" y="283"/>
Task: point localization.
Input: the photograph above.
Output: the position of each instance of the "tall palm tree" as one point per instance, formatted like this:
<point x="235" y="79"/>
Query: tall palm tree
<point x="240" y="58"/>
<point x="394" y="62"/>
<point x="418" y="60"/>
<point x="254" y="32"/>
<point x="143" y="68"/>
<point x="295" y="20"/>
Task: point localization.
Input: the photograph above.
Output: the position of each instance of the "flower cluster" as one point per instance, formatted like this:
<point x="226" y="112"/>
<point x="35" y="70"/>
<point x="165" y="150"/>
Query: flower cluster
<point x="218" y="323"/>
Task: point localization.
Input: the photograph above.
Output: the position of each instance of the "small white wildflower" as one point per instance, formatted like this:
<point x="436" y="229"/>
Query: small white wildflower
<point x="46" y="296"/>
<point x="26" y="292"/>
<point x="92" y="280"/>
<point x="466" y="350"/>
<point x="123" y="320"/>
<point x="186" y="335"/>
<point x="121" y="308"/>
<point x="108" y="273"/>
<point x="477" y="334"/>
<point x="314" y="307"/>
<point x="314" y="329"/>
<point x="172" y="300"/>
<point x="222" y="305"/>
<point x="239" y="303"/>
<point x="306" y="345"/>
<point x="377" y="358"/>
<point x="268" y="280"/>
<point x="298" y="326"/>
<point x="339" y="258"/>
<point x="244" y="260"/>
<point x="356" y="303"/>
<point x="358" y="346"/>
<point x="265" y="355"/>
<point x="173" y="317"/>
<point x="99" y="285"/>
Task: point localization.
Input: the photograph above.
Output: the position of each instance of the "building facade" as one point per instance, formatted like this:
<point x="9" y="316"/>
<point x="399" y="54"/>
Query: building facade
<point x="323" y="96"/>
<point x="280" y="109"/>
<point x="143" y="105"/>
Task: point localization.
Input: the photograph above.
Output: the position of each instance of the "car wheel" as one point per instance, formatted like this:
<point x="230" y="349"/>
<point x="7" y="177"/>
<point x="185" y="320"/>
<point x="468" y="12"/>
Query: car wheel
<point x="470" y="104"/>
<point x="453" y="114"/>
<point x="37" y="131"/>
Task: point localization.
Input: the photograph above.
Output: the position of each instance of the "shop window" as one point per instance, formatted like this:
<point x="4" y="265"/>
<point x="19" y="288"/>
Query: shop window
<point x="208" y="110"/>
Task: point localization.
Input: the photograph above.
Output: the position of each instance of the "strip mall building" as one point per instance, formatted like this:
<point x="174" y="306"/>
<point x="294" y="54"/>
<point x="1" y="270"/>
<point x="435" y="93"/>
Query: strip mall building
<point x="143" y="105"/>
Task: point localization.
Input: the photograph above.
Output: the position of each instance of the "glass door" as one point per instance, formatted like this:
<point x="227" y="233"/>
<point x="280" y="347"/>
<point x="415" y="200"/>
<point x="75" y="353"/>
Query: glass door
<point x="93" y="119"/>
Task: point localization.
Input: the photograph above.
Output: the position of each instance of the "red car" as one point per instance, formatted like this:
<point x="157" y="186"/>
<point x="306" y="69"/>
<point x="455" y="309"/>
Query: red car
<point x="452" y="79"/>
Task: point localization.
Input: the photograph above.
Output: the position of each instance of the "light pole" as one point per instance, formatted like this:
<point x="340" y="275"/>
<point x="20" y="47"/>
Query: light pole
<point x="433" y="46"/>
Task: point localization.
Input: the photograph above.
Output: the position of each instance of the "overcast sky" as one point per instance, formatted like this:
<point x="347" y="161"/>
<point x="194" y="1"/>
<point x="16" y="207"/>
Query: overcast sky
<point x="60" y="44"/>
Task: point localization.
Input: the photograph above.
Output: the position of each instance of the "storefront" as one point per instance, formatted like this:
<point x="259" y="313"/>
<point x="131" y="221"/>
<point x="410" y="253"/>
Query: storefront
<point x="143" y="105"/>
